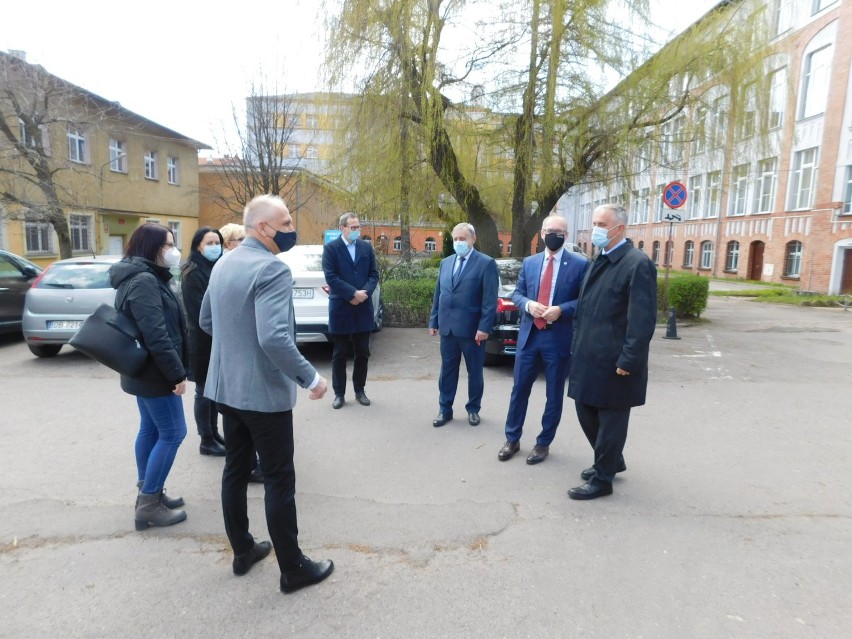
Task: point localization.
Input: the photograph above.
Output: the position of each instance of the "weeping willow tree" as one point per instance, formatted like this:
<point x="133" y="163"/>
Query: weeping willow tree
<point x="548" y="117"/>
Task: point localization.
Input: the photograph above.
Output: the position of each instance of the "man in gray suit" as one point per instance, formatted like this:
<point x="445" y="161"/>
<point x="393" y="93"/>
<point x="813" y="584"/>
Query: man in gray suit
<point x="254" y="369"/>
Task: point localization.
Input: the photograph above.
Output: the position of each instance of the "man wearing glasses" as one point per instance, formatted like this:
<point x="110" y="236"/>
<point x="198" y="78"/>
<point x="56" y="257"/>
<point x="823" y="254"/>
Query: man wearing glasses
<point x="546" y="294"/>
<point x="350" y="271"/>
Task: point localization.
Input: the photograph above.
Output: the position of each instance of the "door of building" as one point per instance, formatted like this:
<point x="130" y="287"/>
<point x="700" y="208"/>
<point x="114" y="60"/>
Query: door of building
<point x="846" y="276"/>
<point x="755" y="261"/>
<point x="116" y="245"/>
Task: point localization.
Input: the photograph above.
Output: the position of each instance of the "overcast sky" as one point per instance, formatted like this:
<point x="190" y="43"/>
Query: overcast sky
<point x="183" y="63"/>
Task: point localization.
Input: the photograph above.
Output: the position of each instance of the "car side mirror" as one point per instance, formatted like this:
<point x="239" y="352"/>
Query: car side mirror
<point x="29" y="272"/>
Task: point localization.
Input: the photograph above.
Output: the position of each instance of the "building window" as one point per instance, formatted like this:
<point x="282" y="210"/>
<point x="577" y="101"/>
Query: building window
<point x="397" y="243"/>
<point x="699" y="135"/>
<point x="499" y="246"/>
<point x="641" y="245"/>
<point x="655" y="253"/>
<point x="777" y="104"/>
<point x="634" y="208"/>
<point x="174" y="227"/>
<point x="509" y="249"/>
<point x="81" y="233"/>
<point x="819" y="5"/>
<point x="38" y="236"/>
<point x="151" y="165"/>
<point x="26" y="137"/>
<point x="793" y="259"/>
<point x="694" y="201"/>
<point x="706" y="255"/>
<point x="764" y="191"/>
<point x="76" y="145"/>
<point x="172" y="170"/>
<point x="847" y="200"/>
<point x="739" y="190"/>
<point x="644" y="205"/>
<point x="312" y="153"/>
<point x="719" y="122"/>
<point x="292" y="152"/>
<point x="431" y="245"/>
<point x="747" y="115"/>
<point x="714" y="194"/>
<point x="782" y="16"/>
<point x="117" y="156"/>
<point x="804" y="178"/>
<point x="658" y="210"/>
<point x="732" y="257"/>
<point x="310" y="121"/>
<point x="688" y="253"/>
<point x="815" y="82"/>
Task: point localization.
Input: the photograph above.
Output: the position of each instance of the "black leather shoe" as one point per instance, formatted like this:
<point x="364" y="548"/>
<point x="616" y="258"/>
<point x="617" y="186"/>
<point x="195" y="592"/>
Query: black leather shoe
<point x="442" y="419"/>
<point x="362" y="398"/>
<point x="307" y="573"/>
<point x="590" y="491"/>
<point x="244" y="562"/>
<point x="338" y="401"/>
<point x="508" y="450"/>
<point x="590" y="471"/>
<point x="473" y="419"/>
<point x="210" y="446"/>
<point x="538" y="454"/>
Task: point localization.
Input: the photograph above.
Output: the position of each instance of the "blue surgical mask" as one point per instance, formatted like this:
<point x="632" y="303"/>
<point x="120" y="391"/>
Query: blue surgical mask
<point x="461" y="248"/>
<point x="212" y="252"/>
<point x="354" y="235"/>
<point x="600" y="237"/>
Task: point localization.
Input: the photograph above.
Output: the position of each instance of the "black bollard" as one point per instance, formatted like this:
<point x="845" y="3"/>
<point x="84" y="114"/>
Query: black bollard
<point x="671" y="329"/>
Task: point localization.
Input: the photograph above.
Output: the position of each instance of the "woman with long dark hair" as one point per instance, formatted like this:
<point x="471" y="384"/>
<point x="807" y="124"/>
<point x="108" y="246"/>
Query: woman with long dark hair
<point x="206" y="249"/>
<point x="143" y="293"/>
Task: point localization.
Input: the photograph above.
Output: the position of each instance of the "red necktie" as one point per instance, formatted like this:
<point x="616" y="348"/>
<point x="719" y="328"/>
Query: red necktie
<point x="544" y="291"/>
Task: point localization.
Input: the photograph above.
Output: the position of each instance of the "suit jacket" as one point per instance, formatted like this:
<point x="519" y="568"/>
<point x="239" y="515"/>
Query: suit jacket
<point x="572" y="268"/>
<point x="613" y="326"/>
<point x="247" y="308"/>
<point x="344" y="277"/>
<point x="470" y="304"/>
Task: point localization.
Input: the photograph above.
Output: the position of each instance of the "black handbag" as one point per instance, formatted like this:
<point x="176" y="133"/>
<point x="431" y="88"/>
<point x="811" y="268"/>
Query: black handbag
<point x="113" y="339"/>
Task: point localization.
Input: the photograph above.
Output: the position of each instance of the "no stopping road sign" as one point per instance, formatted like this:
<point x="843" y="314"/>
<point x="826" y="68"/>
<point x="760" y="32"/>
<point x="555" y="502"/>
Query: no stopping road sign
<point x="674" y="195"/>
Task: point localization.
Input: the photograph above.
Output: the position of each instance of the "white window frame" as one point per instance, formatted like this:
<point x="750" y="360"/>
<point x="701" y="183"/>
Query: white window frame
<point x="782" y="16"/>
<point x="706" y="255"/>
<point x="151" y="165"/>
<point x="431" y="245"/>
<point x="77" y="147"/>
<point x="764" y="186"/>
<point x="311" y="122"/>
<point x="117" y="156"/>
<point x="172" y="169"/>
<point x="816" y="78"/>
<point x="42" y="231"/>
<point x="397" y="243"/>
<point x="793" y="259"/>
<point x="847" y="200"/>
<point x="174" y="227"/>
<point x="739" y="190"/>
<point x="312" y="152"/>
<point x="819" y="5"/>
<point x="655" y="252"/>
<point x="644" y="205"/>
<point x="26" y="139"/>
<point x="695" y="195"/>
<point x="688" y="253"/>
<point x="293" y="152"/>
<point x="804" y="178"/>
<point x="714" y="194"/>
<point x="658" y="210"/>
<point x="719" y="122"/>
<point x="777" y="103"/>
<point x="732" y="256"/>
<point x="699" y="140"/>
<point x="82" y="233"/>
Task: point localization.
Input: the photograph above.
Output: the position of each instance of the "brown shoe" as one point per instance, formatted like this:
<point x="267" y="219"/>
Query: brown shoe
<point x="508" y="450"/>
<point x="538" y="454"/>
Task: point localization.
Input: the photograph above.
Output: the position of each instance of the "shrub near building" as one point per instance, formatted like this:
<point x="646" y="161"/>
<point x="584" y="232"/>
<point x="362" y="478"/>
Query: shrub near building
<point x="687" y="294"/>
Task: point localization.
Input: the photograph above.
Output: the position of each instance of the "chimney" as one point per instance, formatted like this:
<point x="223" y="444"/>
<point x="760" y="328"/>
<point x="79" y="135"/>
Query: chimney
<point x="17" y="53"/>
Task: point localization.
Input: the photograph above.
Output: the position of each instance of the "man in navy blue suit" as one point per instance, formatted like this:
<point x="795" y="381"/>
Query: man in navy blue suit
<point x="350" y="271"/>
<point x="546" y="295"/>
<point x="463" y="312"/>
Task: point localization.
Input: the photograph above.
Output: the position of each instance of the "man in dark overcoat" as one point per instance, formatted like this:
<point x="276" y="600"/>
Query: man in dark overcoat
<point x="613" y="325"/>
<point x="350" y="271"/>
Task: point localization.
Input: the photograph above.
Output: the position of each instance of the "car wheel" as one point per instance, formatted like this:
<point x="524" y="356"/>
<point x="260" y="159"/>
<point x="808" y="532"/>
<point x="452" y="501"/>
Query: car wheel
<point x="45" y="350"/>
<point x="492" y="359"/>
<point x="380" y="317"/>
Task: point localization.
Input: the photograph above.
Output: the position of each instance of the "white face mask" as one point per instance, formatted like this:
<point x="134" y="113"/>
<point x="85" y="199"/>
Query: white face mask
<point x="171" y="258"/>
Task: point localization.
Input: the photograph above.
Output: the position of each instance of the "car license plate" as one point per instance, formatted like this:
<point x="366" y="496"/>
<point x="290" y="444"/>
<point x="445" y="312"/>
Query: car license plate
<point x="64" y="325"/>
<point x="303" y="293"/>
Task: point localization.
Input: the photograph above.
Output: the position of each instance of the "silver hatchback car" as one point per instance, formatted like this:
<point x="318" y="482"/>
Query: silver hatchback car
<point x="64" y="295"/>
<point x="310" y="294"/>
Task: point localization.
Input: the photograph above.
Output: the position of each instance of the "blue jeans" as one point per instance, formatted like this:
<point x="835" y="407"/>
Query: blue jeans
<point x="162" y="428"/>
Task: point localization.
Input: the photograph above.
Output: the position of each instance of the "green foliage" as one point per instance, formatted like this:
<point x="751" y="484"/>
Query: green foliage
<point x="688" y="294"/>
<point x="431" y="262"/>
<point x="408" y="302"/>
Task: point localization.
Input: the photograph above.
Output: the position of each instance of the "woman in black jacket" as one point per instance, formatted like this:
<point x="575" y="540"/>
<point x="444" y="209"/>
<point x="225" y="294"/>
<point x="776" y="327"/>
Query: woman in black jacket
<point x="143" y="293"/>
<point x="206" y="249"/>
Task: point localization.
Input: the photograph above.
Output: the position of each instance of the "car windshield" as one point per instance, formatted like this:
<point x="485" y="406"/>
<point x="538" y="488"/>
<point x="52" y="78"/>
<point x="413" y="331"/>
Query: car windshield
<point x="304" y="261"/>
<point x="76" y="275"/>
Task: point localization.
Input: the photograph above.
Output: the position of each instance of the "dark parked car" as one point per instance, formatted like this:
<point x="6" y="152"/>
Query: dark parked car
<point x="504" y="335"/>
<point x="16" y="278"/>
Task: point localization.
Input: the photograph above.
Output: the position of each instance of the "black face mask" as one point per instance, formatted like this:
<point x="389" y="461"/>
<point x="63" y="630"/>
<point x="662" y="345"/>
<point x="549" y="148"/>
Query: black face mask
<point x="553" y="241"/>
<point x="284" y="240"/>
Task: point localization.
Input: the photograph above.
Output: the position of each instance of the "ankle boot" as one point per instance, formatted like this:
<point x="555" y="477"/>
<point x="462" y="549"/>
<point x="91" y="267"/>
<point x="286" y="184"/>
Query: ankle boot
<point x="152" y="512"/>
<point x="168" y="502"/>
<point x="210" y="446"/>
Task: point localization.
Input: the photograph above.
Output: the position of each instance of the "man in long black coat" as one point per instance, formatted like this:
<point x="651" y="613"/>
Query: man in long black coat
<point x="613" y="325"/>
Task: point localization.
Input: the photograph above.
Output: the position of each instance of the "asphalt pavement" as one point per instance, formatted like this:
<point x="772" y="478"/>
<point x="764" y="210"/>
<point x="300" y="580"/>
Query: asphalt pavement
<point x="734" y="518"/>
